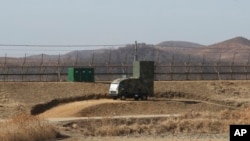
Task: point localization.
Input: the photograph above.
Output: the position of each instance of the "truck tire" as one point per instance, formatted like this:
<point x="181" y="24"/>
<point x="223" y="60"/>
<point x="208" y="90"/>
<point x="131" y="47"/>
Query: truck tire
<point x="123" y="97"/>
<point x="114" y="97"/>
<point x="144" y="97"/>
<point x="137" y="97"/>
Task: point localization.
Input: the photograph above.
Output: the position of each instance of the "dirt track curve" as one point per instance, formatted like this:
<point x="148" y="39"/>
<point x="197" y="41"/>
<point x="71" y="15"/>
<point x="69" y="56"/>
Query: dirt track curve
<point x="72" y="109"/>
<point x="105" y="107"/>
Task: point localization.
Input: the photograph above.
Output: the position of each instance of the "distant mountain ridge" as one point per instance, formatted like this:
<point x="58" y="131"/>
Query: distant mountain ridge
<point x="179" y="44"/>
<point x="171" y="56"/>
<point x="163" y="51"/>
<point x="237" y="42"/>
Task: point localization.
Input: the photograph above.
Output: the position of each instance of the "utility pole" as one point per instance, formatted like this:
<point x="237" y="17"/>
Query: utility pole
<point x="135" y="53"/>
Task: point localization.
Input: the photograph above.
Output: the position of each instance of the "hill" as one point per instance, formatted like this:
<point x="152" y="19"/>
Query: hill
<point x="227" y="53"/>
<point x="233" y="44"/>
<point x="179" y="44"/>
<point x="162" y="53"/>
<point x="236" y="49"/>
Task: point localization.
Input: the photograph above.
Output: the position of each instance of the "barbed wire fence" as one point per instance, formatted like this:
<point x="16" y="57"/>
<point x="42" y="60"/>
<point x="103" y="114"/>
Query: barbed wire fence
<point x="171" y="68"/>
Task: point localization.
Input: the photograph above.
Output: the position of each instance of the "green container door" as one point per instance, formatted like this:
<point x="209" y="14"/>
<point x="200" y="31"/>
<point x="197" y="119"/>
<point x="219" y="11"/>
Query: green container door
<point x="71" y="75"/>
<point x="81" y="75"/>
<point x="77" y="75"/>
<point x="87" y="75"/>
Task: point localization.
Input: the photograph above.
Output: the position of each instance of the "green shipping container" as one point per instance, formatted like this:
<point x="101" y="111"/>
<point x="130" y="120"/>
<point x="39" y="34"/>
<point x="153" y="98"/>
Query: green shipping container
<point x="81" y="75"/>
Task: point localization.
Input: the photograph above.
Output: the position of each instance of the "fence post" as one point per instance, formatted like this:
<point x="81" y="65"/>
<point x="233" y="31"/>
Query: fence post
<point x="75" y="63"/>
<point x="92" y="60"/>
<point x="124" y="65"/>
<point x="217" y="67"/>
<point x="156" y="64"/>
<point x="24" y="62"/>
<point x="5" y="68"/>
<point x="108" y="63"/>
<point x="58" y="68"/>
<point x="201" y="67"/>
<point x="187" y="68"/>
<point x="26" y="69"/>
<point x="231" y="65"/>
<point x="246" y="67"/>
<point x="41" y="67"/>
<point x="171" y="67"/>
<point x="64" y="65"/>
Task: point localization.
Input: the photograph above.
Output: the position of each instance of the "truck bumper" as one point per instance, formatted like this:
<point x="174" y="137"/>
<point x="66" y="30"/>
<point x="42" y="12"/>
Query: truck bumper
<point x="113" y="93"/>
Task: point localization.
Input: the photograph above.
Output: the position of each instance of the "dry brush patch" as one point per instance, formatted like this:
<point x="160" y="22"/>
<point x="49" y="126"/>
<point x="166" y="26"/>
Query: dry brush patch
<point x="24" y="127"/>
<point x="155" y="126"/>
<point x="189" y="123"/>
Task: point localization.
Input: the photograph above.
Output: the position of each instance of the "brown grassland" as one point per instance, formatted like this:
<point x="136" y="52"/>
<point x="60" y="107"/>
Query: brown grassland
<point x="24" y="127"/>
<point x="205" y="109"/>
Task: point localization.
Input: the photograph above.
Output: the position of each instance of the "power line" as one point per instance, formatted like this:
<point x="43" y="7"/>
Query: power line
<point x="104" y="45"/>
<point x="37" y="50"/>
<point x="39" y="45"/>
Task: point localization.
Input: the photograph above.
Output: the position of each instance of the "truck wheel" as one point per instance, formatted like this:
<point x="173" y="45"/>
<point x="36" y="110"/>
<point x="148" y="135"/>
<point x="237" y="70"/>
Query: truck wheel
<point x="123" y="97"/>
<point x="144" y="97"/>
<point x="114" y="97"/>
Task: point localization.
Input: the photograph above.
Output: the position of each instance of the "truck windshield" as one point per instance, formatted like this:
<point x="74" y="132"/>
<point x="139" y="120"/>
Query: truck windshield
<point x="113" y="87"/>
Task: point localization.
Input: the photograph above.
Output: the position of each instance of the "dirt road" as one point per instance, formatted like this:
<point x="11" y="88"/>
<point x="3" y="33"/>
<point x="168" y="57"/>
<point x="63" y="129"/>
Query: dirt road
<point x="54" y="120"/>
<point x="72" y="109"/>
<point x="79" y="110"/>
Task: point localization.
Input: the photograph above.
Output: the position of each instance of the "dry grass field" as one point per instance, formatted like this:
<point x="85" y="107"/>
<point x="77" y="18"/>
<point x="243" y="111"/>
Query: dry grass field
<point x="206" y="109"/>
<point x="24" y="127"/>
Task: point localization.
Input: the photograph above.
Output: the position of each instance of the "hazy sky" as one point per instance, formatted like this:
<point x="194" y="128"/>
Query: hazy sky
<point x="120" y="21"/>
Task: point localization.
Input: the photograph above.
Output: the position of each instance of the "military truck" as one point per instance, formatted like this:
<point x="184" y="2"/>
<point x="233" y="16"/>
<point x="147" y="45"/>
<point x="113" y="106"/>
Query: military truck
<point x="139" y="86"/>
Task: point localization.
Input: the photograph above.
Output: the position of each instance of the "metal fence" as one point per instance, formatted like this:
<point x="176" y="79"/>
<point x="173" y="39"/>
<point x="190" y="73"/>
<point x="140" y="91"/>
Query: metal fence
<point x="55" y="69"/>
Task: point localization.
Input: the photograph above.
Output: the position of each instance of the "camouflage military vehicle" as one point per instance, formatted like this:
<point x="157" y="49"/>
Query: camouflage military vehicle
<point x="140" y="86"/>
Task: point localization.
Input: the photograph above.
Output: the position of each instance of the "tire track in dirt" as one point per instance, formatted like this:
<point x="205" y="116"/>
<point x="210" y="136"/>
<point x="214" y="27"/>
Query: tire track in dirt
<point x="201" y="101"/>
